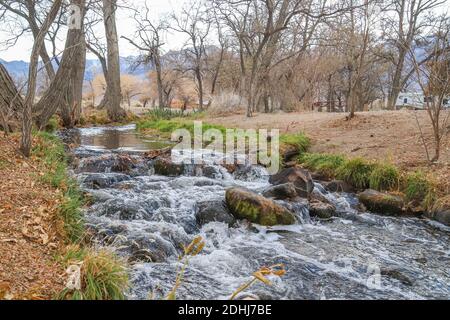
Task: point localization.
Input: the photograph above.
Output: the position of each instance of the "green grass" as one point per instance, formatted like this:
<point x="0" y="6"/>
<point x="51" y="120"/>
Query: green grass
<point x="166" y="127"/>
<point x="420" y="189"/>
<point x="384" y="177"/>
<point x="417" y="186"/>
<point x="324" y="164"/>
<point x="103" y="276"/>
<point x="357" y="172"/>
<point x="298" y="140"/>
<point x="51" y="151"/>
<point x="169" y="114"/>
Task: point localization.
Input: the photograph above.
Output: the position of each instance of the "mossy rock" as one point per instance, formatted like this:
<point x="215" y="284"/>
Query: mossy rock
<point x="245" y="204"/>
<point x="382" y="203"/>
<point x="165" y="167"/>
<point x="441" y="211"/>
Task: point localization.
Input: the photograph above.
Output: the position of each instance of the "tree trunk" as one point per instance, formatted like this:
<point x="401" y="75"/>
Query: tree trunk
<point x="113" y="92"/>
<point x="11" y="102"/>
<point x="27" y="120"/>
<point x="159" y="82"/>
<point x="65" y="91"/>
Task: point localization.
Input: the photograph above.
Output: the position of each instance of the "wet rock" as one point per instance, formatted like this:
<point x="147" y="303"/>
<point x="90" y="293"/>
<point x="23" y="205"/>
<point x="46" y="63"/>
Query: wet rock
<point x="301" y="179"/>
<point x="339" y="186"/>
<point x="382" y="203"/>
<point x="441" y="211"/>
<point x="102" y="180"/>
<point x="281" y="192"/>
<point x="322" y="210"/>
<point x="213" y="211"/>
<point x="98" y="196"/>
<point x="211" y="172"/>
<point x="397" y="275"/>
<point x="123" y="210"/>
<point x="166" y="167"/>
<point x="107" y="163"/>
<point x="245" y="204"/>
<point x="150" y="248"/>
<point x="249" y="173"/>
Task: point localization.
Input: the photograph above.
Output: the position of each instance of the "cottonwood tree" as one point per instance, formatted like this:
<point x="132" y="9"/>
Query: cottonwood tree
<point x="148" y="40"/>
<point x="65" y="90"/>
<point x="27" y="119"/>
<point x="407" y="20"/>
<point x="19" y="17"/>
<point x="433" y="78"/>
<point x="113" y="93"/>
<point x="194" y="22"/>
<point x="131" y="87"/>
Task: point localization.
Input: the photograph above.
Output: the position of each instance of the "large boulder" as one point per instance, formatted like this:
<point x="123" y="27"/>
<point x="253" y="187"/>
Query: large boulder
<point x="322" y="210"/>
<point x="441" y="211"/>
<point x="213" y="211"/>
<point x="382" y="203"/>
<point x="245" y="204"/>
<point x="300" y="178"/>
<point x="285" y="191"/>
<point x="166" y="167"/>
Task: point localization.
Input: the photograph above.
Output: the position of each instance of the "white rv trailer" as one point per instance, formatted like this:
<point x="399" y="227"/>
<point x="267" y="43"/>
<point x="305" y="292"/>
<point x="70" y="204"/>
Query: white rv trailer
<point x="416" y="100"/>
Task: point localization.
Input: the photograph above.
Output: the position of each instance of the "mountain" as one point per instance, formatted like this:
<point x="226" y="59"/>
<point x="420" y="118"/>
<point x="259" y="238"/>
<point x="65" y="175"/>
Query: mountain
<point x="19" y="69"/>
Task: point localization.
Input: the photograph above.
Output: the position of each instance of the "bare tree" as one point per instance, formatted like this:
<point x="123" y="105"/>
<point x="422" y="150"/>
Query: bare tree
<point x="27" y="119"/>
<point x="65" y="91"/>
<point x="410" y="19"/>
<point x="148" y="39"/>
<point x="434" y="81"/>
<point x="194" y="23"/>
<point x="113" y="93"/>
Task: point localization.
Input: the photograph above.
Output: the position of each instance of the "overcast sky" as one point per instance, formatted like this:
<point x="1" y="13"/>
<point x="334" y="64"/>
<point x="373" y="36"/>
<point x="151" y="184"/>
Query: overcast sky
<point x="22" y="50"/>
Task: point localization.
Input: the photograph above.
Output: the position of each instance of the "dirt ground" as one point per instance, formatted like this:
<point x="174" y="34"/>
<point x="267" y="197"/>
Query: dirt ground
<point x="29" y="241"/>
<point x="387" y="135"/>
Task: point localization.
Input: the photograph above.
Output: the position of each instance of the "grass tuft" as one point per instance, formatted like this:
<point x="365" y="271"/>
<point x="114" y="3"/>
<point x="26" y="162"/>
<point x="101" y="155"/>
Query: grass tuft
<point x="103" y="276"/>
<point x="324" y="164"/>
<point x="384" y="177"/>
<point x="357" y="172"/>
<point x="298" y="140"/>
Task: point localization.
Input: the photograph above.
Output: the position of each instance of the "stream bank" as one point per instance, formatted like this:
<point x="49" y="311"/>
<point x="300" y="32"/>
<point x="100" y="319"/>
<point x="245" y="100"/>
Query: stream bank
<point x="148" y="218"/>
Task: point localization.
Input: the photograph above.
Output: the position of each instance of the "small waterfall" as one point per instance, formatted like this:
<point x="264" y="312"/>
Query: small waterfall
<point x="148" y="219"/>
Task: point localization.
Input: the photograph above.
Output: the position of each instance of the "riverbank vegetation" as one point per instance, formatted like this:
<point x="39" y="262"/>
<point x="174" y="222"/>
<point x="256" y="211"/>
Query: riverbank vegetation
<point x="103" y="275"/>
<point x="40" y="216"/>
<point x="381" y="176"/>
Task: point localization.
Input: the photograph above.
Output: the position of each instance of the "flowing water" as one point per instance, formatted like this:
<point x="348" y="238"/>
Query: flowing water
<point x="353" y="256"/>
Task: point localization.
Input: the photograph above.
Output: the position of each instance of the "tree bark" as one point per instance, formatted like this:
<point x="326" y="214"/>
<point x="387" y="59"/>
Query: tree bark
<point x="11" y="102"/>
<point x="65" y="91"/>
<point x="113" y="92"/>
<point x="27" y="121"/>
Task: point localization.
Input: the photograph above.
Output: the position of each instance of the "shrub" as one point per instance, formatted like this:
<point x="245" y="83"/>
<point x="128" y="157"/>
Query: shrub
<point x="103" y="275"/>
<point x="324" y="164"/>
<point x="357" y="172"/>
<point x="384" y="177"/>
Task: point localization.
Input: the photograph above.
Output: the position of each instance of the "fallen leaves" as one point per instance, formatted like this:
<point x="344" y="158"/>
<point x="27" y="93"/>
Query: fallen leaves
<point x="28" y="236"/>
